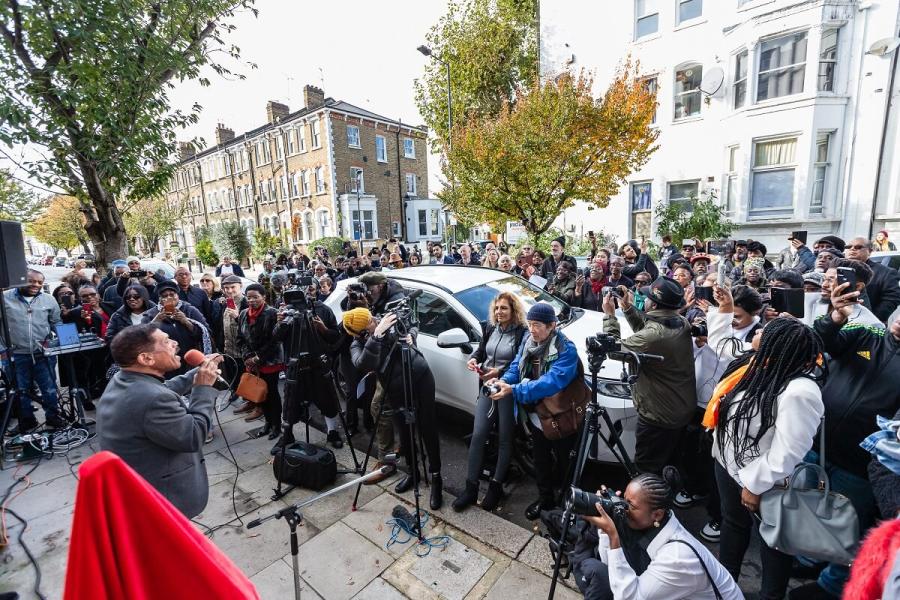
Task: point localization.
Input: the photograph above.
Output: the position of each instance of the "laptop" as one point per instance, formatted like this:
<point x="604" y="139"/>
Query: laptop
<point x="68" y="334"/>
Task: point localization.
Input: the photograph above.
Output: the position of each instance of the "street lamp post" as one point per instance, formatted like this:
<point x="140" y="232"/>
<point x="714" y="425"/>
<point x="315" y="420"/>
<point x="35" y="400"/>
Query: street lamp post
<point x="358" y="225"/>
<point x="425" y="50"/>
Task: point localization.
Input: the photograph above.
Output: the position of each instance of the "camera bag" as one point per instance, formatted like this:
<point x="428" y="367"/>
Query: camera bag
<point x="562" y="413"/>
<point x="305" y="465"/>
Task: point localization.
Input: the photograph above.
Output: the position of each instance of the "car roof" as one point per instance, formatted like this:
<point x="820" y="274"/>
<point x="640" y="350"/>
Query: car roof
<point x="454" y="278"/>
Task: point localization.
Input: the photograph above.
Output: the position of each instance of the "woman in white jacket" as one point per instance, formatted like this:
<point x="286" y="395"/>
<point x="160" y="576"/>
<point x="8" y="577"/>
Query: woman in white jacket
<point x="769" y="408"/>
<point x="675" y="566"/>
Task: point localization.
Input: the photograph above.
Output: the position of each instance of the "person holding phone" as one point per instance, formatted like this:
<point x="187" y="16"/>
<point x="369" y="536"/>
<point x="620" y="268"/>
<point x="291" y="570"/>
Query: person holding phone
<point x="181" y="322"/>
<point x="136" y="301"/>
<point x="855" y="273"/>
<point x="796" y="256"/>
<point x="500" y="340"/>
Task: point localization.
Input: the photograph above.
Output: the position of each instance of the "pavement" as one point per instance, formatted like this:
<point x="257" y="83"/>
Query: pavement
<point x="343" y="553"/>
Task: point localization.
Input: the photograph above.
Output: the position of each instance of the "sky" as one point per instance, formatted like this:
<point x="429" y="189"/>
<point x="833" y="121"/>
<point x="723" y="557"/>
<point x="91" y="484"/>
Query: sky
<point x="363" y="52"/>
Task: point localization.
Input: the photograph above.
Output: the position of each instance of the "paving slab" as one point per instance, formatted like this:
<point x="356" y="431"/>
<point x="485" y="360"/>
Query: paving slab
<point x="537" y="556"/>
<point x="485" y="526"/>
<point x="249" y="452"/>
<point x="276" y="582"/>
<point x="519" y="579"/>
<point x="369" y="520"/>
<point x="252" y="550"/>
<point x="43" y="498"/>
<point x="331" y="509"/>
<point x="379" y="589"/>
<point x="339" y="563"/>
<point x="53" y="574"/>
<point x="451" y="571"/>
<point x="219" y="509"/>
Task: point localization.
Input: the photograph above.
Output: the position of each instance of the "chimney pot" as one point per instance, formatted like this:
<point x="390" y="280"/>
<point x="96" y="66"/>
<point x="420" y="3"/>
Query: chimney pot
<point x="276" y="111"/>
<point x="313" y="96"/>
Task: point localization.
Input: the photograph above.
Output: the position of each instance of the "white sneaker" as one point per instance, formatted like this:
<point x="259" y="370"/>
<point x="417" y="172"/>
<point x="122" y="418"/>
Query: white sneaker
<point x="710" y="532"/>
<point x="684" y="500"/>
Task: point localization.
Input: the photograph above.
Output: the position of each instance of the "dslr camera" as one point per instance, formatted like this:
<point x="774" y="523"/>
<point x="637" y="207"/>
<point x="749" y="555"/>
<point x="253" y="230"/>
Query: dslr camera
<point x="584" y="503"/>
<point x="489" y="390"/>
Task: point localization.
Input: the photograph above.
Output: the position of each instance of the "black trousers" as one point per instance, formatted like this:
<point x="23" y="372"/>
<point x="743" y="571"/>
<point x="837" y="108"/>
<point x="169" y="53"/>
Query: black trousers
<point x="426" y="421"/>
<point x="551" y="462"/>
<point x="655" y="446"/>
<point x="272" y="406"/>
<point x="737" y="526"/>
<point x="697" y="465"/>
<point x="232" y="369"/>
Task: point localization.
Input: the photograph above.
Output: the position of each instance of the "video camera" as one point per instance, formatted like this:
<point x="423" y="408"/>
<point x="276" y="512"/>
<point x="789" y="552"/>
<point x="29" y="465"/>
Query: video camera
<point x="297" y="297"/>
<point x="602" y="344"/>
<point x="584" y="503"/>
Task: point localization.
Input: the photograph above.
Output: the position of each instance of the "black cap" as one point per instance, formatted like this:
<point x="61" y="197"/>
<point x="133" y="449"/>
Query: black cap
<point x="561" y="239"/>
<point x="834" y="241"/>
<point x="665" y="292"/>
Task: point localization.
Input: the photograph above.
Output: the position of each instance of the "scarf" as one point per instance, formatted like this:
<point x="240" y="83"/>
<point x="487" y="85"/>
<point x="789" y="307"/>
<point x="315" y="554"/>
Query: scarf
<point x="534" y="351"/>
<point x="253" y="314"/>
<point x="597" y="286"/>
<point x="723" y="388"/>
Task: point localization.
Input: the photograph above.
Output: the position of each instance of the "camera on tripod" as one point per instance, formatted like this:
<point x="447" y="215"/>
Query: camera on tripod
<point x="297" y="298"/>
<point x="584" y="503"/>
<point x="602" y="344"/>
<point x="404" y="309"/>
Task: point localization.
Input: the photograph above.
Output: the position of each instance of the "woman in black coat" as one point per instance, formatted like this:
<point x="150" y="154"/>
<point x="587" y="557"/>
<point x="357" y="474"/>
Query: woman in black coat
<point x="262" y="355"/>
<point x="135" y="302"/>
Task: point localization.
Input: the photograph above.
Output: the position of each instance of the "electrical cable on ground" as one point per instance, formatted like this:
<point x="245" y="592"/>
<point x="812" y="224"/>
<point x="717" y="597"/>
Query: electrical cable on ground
<point x="401" y="527"/>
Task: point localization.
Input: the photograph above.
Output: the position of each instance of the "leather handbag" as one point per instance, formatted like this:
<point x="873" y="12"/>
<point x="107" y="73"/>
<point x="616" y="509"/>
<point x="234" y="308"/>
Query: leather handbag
<point x="252" y="388"/>
<point x="562" y="413"/>
<point x="813" y="522"/>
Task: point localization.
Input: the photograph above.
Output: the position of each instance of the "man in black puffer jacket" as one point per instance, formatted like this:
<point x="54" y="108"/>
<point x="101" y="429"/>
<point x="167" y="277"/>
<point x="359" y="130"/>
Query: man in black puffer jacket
<point x="861" y="385"/>
<point x="637" y="261"/>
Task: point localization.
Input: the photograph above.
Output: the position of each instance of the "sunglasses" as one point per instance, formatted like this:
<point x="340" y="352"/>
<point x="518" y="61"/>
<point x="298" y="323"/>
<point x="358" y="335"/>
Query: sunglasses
<point x="132" y="297"/>
<point x="856" y="247"/>
<point x="87" y="295"/>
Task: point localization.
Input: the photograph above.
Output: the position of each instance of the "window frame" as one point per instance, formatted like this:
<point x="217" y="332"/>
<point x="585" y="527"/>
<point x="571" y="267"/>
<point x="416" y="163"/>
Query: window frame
<point x="378" y="157"/>
<point x="737" y="80"/>
<point x="731" y="177"/>
<point x="830" y="78"/>
<point x="350" y="143"/>
<point x="772" y="212"/>
<point x="760" y="72"/>
<point x="358" y="222"/>
<point x="676" y="95"/>
<point x="642" y="17"/>
<point x="412" y="146"/>
<point x="362" y="180"/>
<point x="651" y="85"/>
<point x="315" y="128"/>
<point x="820" y="185"/>
<point x="682" y="200"/>
<point x="301" y="137"/>
<point x="680" y="21"/>
<point x="412" y="191"/>
<point x="320" y="180"/>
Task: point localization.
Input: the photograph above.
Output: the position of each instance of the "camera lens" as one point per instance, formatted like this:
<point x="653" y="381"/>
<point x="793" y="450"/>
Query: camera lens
<point x="583" y="503"/>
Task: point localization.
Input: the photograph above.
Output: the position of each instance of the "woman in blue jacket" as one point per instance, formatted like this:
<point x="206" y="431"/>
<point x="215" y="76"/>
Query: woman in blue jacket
<point x="546" y="363"/>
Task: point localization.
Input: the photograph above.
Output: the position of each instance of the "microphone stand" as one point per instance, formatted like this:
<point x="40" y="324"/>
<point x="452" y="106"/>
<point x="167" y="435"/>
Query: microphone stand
<point x="292" y="516"/>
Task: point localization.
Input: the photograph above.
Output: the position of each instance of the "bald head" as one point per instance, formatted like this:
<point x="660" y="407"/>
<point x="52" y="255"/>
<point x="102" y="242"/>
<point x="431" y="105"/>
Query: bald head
<point x="183" y="277"/>
<point x="859" y="249"/>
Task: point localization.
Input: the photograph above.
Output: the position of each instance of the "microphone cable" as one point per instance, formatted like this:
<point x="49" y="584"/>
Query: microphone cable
<point x="237" y="468"/>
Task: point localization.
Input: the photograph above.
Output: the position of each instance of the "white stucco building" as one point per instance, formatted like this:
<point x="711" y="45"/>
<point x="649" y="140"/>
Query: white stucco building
<point x="800" y="133"/>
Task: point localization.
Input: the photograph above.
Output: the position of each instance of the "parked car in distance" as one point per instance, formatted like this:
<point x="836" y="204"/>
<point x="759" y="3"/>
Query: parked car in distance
<point x="890" y="258"/>
<point x="88" y="258"/>
<point x="453" y="303"/>
<point x="47" y="261"/>
<point x="155" y="265"/>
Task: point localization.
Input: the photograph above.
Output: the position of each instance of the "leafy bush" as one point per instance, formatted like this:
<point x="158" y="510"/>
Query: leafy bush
<point x="230" y="239"/>
<point x="206" y="253"/>
<point x="706" y="221"/>
<point x="334" y="245"/>
<point x="264" y="242"/>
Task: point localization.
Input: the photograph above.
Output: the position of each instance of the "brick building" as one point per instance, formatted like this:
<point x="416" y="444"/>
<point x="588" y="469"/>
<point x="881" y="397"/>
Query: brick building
<point x="297" y="176"/>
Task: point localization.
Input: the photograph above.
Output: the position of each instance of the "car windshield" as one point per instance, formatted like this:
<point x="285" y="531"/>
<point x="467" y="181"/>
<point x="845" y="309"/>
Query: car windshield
<point x="478" y="298"/>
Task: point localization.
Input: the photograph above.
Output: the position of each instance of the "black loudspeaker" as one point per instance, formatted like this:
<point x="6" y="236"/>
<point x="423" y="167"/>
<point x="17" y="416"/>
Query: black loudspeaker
<point x="13" y="267"/>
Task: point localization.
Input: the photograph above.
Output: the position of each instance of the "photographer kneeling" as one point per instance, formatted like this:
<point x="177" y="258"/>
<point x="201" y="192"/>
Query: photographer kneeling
<point x="643" y="551"/>
<point x="545" y="364"/>
<point x="376" y="348"/>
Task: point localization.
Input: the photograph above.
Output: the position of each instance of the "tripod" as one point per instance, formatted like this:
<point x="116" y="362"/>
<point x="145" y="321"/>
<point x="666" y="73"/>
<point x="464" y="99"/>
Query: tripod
<point x="590" y="430"/>
<point x="293" y="517"/>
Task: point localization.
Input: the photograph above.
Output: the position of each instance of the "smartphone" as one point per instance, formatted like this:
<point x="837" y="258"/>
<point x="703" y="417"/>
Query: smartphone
<point x="799" y="235"/>
<point x="67" y="300"/>
<point x="705" y="293"/>
<point x="847" y="275"/>
<point x="169" y="307"/>
<point x="229" y="303"/>
<point x="789" y="300"/>
<point x="720" y="276"/>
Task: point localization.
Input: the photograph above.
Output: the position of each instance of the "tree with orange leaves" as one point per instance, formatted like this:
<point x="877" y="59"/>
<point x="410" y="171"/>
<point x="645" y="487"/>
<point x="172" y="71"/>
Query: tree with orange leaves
<point x="62" y="225"/>
<point x="553" y="145"/>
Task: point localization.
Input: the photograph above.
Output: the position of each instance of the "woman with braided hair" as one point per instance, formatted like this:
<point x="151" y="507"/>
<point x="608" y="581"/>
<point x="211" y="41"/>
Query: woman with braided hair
<point x="644" y="551"/>
<point x="765" y="412"/>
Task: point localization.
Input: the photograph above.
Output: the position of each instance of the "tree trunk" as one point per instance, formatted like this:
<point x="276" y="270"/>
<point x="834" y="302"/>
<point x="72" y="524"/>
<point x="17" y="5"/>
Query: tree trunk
<point x="103" y="222"/>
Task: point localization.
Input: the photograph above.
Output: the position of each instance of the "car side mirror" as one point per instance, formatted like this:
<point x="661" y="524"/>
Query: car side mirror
<point x="455" y="338"/>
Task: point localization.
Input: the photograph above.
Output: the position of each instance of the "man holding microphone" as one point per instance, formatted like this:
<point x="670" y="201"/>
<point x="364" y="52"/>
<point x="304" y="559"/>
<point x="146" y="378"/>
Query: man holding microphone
<point x="156" y="426"/>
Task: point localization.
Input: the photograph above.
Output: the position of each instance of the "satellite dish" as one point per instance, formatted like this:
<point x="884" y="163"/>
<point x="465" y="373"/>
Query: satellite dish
<point x="883" y="46"/>
<point x="712" y="81"/>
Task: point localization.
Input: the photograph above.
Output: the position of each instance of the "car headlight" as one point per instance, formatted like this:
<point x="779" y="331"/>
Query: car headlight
<point x="611" y="388"/>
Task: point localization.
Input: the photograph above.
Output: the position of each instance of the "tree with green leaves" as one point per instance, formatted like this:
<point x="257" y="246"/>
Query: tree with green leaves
<point x="86" y="87"/>
<point x="61" y="226"/>
<point x="554" y="145"/>
<point x="703" y="219"/>
<point x="264" y="242"/>
<point x="492" y="49"/>
<point x="18" y="203"/>
<point x="154" y="218"/>
<point x="230" y="239"/>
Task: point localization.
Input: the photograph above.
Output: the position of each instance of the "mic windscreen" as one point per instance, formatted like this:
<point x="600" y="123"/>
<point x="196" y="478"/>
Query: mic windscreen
<point x="194" y="357"/>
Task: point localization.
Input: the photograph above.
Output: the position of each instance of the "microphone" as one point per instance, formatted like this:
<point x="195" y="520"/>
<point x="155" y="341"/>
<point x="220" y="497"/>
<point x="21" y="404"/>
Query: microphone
<point x="195" y="358"/>
<point x="414" y="294"/>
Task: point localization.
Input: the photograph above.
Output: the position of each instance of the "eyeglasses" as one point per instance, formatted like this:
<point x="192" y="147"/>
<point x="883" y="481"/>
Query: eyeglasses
<point x="87" y="295"/>
<point x="856" y="247"/>
<point x="132" y="297"/>
<point x="206" y="281"/>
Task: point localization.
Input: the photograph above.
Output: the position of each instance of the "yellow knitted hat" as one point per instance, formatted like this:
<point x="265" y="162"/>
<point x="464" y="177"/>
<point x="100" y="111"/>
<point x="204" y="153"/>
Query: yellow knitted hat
<point x="356" y="320"/>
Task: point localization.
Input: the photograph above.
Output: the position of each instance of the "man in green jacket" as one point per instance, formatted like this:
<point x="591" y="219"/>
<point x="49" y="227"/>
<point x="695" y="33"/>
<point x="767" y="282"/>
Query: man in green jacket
<point x="665" y="392"/>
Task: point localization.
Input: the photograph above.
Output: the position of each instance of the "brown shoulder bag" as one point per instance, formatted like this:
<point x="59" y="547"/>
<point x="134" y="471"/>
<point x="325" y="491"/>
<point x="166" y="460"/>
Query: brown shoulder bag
<point x="562" y="413"/>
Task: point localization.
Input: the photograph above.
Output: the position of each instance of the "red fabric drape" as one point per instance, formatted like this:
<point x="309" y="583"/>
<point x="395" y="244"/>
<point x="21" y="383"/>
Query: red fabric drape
<point x="128" y="541"/>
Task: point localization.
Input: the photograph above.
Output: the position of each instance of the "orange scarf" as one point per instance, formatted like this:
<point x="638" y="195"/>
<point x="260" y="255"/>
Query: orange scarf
<point x="723" y="388"/>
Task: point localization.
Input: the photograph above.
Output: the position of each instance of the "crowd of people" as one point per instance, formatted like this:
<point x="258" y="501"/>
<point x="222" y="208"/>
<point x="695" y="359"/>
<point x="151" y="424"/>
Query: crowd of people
<point x="735" y="405"/>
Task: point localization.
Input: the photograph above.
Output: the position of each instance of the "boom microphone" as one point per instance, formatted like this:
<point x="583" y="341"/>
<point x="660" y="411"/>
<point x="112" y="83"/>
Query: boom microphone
<point x="195" y="358"/>
<point x="414" y="294"/>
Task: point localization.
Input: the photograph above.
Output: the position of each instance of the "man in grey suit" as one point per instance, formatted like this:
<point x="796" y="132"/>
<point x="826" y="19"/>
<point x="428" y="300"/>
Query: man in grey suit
<point x="145" y="420"/>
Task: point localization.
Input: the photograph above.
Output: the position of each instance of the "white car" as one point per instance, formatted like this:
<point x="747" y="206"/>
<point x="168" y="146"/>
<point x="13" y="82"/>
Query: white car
<point x="455" y="301"/>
